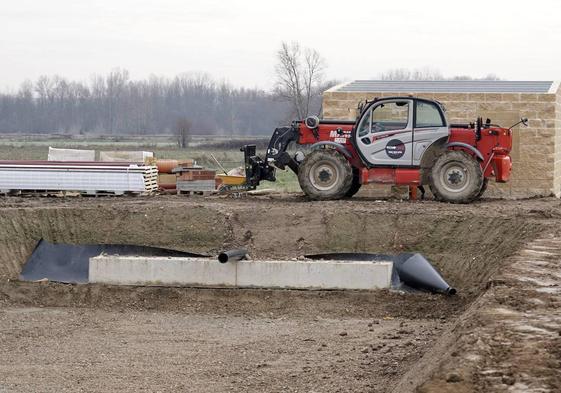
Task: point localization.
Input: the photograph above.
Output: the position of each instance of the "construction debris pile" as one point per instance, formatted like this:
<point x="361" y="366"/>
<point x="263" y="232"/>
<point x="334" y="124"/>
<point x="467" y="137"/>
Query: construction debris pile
<point x="185" y="177"/>
<point x="75" y="171"/>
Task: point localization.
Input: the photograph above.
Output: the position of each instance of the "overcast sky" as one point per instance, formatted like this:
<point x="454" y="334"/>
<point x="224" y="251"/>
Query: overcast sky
<point x="236" y="40"/>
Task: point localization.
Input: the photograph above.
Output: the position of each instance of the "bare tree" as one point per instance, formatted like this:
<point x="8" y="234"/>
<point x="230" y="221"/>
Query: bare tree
<point x="183" y="132"/>
<point x="426" y="74"/>
<point x="115" y="104"/>
<point x="299" y="73"/>
<point x="405" y="74"/>
<point x="115" y="83"/>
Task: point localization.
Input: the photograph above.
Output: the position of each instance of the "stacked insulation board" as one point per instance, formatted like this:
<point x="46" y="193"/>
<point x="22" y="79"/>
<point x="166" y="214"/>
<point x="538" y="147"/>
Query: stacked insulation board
<point x="78" y="176"/>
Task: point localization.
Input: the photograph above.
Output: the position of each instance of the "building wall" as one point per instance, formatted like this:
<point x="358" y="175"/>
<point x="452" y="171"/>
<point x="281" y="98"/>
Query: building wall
<point x="557" y="154"/>
<point x="536" y="151"/>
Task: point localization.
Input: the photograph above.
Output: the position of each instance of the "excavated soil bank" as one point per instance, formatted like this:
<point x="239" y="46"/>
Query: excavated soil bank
<point x="325" y="341"/>
<point x="467" y="243"/>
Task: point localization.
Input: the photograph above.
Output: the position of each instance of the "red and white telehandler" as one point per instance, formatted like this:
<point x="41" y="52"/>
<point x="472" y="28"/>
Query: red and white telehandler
<point x="394" y="140"/>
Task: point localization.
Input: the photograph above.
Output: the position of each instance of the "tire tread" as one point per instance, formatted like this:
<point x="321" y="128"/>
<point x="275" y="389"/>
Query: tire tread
<point x="333" y="156"/>
<point x="472" y="193"/>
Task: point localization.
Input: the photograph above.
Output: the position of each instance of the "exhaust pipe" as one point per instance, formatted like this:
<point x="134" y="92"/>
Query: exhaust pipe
<point x="415" y="271"/>
<point x="232" y="255"/>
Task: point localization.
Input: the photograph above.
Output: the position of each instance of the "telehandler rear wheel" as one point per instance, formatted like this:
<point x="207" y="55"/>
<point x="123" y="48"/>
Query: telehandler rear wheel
<point x="325" y="174"/>
<point x="456" y="177"/>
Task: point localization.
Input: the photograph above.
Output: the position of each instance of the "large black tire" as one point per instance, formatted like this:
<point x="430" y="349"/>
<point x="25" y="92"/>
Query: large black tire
<point x="325" y="174"/>
<point x="483" y="188"/>
<point x="433" y="192"/>
<point x="456" y="177"/>
<point x="355" y="185"/>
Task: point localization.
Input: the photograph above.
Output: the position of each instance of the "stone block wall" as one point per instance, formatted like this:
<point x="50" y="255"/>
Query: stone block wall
<point x="536" y="151"/>
<point x="557" y="154"/>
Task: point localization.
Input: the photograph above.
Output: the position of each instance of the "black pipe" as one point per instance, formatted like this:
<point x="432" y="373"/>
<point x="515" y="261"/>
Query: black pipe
<point x="232" y="255"/>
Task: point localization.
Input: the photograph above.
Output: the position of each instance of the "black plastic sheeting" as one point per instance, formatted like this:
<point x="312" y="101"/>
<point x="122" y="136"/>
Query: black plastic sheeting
<point x="414" y="270"/>
<point x="410" y="271"/>
<point x="69" y="263"/>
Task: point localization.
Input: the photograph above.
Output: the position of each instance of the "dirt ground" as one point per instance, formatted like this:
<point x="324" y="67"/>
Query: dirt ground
<point x="57" y="337"/>
<point x="74" y="349"/>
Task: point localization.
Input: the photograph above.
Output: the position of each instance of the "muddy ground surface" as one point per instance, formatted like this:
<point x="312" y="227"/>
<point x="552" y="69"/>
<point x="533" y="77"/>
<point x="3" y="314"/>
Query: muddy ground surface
<point x="510" y="338"/>
<point x="74" y="349"/>
<point x="100" y="338"/>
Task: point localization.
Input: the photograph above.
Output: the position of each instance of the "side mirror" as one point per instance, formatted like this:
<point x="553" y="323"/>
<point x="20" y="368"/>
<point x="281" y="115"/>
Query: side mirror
<point x="523" y="120"/>
<point x="312" y="122"/>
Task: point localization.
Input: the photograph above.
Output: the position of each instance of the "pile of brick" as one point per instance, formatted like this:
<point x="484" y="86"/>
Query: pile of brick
<point x="195" y="180"/>
<point x="167" y="176"/>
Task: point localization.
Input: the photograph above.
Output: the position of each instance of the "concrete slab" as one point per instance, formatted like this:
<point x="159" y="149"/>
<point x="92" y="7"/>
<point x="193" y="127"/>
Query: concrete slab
<point x="316" y="274"/>
<point x="126" y="270"/>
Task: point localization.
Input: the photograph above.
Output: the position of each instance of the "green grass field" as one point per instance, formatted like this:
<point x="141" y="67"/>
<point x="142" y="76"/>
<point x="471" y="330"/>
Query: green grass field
<point x="37" y="148"/>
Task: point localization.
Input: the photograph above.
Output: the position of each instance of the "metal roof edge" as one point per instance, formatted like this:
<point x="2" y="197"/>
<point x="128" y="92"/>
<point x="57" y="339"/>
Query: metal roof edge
<point x="337" y="87"/>
<point x="448" y="86"/>
<point x="554" y="88"/>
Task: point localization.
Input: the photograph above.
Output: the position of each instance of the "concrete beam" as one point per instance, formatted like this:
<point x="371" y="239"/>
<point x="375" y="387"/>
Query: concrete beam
<point x="127" y="270"/>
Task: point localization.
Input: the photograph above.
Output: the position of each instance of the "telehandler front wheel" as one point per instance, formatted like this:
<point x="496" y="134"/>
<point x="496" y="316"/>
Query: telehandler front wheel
<point x="355" y="185"/>
<point x="483" y="188"/>
<point x="325" y="174"/>
<point x="456" y="177"/>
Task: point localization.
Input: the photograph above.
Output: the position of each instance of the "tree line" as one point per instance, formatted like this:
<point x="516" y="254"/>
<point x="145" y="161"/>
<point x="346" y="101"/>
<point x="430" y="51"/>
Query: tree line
<point x="114" y="104"/>
<point x="184" y="105"/>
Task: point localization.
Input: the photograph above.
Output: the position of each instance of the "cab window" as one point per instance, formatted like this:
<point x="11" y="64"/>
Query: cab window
<point x="364" y="126"/>
<point x="385" y="117"/>
<point x="428" y="115"/>
<point x="390" y="116"/>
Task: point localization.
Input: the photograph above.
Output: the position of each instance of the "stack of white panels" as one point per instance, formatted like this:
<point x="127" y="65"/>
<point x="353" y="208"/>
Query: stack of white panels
<point x="81" y="177"/>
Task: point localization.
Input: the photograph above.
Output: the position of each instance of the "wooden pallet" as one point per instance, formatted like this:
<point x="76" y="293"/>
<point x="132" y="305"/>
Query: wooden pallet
<point x="151" y="178"/>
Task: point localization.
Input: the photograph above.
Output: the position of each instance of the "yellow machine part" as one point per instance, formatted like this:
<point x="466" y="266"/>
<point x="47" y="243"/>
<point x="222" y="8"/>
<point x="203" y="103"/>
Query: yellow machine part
<point x="232" y="180"/>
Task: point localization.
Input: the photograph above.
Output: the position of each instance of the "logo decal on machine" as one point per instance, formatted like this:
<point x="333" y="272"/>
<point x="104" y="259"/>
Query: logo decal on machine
<point x="340" y="136"/>
<point x="395" y="149"/>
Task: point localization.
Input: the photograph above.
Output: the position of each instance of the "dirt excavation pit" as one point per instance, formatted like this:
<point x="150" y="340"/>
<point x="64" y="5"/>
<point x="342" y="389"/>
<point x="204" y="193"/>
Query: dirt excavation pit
<point x="106" y="338"/>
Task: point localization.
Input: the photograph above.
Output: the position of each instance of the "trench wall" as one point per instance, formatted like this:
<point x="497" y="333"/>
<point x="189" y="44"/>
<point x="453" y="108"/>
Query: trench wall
<point x="468" y="249"/>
